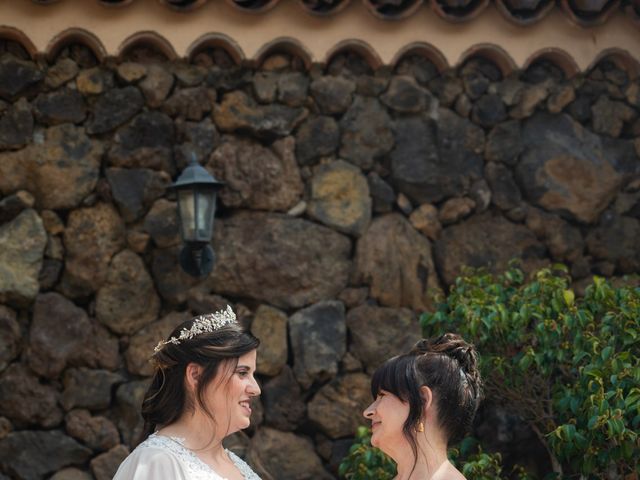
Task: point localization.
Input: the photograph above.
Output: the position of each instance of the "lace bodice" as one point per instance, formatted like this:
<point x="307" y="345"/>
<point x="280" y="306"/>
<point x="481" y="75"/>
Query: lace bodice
<point x="190" y="464"/>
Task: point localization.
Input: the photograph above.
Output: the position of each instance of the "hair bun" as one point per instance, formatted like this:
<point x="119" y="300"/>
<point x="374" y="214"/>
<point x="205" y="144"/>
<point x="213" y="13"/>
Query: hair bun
<point x="453" y="346"/>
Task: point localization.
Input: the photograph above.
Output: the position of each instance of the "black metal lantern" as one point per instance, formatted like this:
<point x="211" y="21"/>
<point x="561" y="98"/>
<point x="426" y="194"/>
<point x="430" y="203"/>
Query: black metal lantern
<point x="196" y="190"/>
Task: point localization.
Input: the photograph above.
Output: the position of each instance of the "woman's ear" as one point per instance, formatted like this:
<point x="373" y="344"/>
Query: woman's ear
<point x="427" y="397"/>
<point x="192" y="376"/>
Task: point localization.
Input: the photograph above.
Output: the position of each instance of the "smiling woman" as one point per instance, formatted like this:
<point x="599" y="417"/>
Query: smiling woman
<point x="423" y="401"/>
<point x="200" y="393"/>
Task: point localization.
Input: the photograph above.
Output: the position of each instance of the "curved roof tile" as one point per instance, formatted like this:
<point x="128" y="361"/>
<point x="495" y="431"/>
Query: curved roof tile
<point x="585" y="13"/>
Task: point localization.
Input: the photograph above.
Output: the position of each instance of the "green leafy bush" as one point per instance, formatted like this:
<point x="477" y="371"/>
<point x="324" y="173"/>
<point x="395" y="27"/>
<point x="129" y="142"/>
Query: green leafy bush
<point x="569" y="366"/>
<point x="365" y="462"/>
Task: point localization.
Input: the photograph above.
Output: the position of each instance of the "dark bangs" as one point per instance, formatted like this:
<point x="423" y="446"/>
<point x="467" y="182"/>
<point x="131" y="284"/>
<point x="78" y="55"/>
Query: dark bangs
<point x="396" y="376"/>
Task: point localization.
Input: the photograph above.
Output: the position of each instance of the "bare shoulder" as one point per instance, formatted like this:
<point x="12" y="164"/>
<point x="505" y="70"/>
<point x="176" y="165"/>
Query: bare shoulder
<point x="447" y="472"/>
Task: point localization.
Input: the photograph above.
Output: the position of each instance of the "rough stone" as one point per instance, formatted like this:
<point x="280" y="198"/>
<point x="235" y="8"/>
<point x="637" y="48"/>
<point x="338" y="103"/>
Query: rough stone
<point x="560" y="97"/>
<point x="257" y="177"/>
<point x="566" y="169"/>
<point x="532" y="97"/>
<point x="463" y="106"/>
<point x="319" y="339"/>
<point x="404" y="204"/>
<point x="333" y="94"/>
<point x="239" y="112"/>
<point x="284" y="404"/>
<point x="171" y="281"/>
<point x="190" y="103"/>
<point x="50" y="273"/>
<point x="292" y="456"/>
<point x="131" y="72"/>
<point x="488" y="111"/>
<point x="61" y="106"/>
<point x="339" y="198"/>
<point x="265" y="86"/>
<point x="127" y="301"/>
<point x="455" y="209"/>
<point x="609" y="116"/>
<point x="505" y="192"/>
<point x="93" y="235"/>
<point x="16" y="126"/>
<point x="22" y="244"/>
<point x="58" y="330"/>
<point x="270" y="326"/>
<point x="60" y="171"/>
<point x="337" y="407"/>
<point x="105" y="465"/>
<point x="88" y="388"/>
<point x="475" y="84"/>
<point x="12" y="205"/>
<point x="293" y="262"/>
<point x="382" y="194"/>
<point x="632" y="94"/>
<point x="480" y="193"/>
<point x="467" y="244"/>
<point x="100" y="350"/>
<point x="27" y="402"/>
<point x="17" y="76"/>
<point x="141" y="345"/>
<point x="145" y="143"/>
<point x="71" y="473"/>
<point x="425" y="220"/>
<point x="510" y="90"/>
<point x="134" y="190"/>
<point x="318" y="136"/>
<point x="293" y="88"/>
<point x="395" y="261"/>
<point x="98" y="433"/>
<point x="406" y="96"/>
<point x="10" y="339"/>
<point x="615" y="240"/>
<point x="162" y="223"/>
<point x="199" y="139"/>
<point x="30" y="455"/>
<point x="366" y="132"/>
<point x="129" y="397"/>
<point x="200" y="301"/>
<point x="418" y="66"/>
<point x="430" y="163"/>
<point x="504" y="143"/>
<point x="156" y="85"/>
<point x="564" y="242"/>
<point x="52" y="222"/>
<point x="94" y="81"/>
<point x="63" y="71"/>
<point x="114" y="108"/>
<point x="447" y="88"/>
<point x="379" y="333"/>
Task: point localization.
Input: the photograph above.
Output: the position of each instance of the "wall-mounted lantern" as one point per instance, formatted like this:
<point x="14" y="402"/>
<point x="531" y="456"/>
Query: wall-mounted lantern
<point x="196" y="190"/>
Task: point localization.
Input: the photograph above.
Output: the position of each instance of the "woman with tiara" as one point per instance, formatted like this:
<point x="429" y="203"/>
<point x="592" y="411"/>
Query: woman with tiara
<point x="200" y="393"/>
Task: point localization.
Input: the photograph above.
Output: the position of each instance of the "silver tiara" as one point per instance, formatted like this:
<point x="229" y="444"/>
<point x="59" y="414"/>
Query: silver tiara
<point x="207" y="323"/>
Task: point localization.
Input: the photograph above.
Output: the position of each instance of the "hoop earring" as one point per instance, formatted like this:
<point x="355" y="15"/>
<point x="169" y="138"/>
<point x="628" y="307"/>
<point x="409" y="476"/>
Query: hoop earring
<point x="420" y="427"/>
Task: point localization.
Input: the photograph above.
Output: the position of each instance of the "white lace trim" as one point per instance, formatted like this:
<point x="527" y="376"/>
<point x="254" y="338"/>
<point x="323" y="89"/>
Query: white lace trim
<point x="196" y="468"/>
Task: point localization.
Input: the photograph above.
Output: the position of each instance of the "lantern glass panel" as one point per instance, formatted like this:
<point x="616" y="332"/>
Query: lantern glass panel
<point x="205" y="208"/>
<point x="187" y="206"/>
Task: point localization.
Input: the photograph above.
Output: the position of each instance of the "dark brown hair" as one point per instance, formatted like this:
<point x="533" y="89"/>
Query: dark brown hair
<point x="449" y="367"/>
<point x="166" y="399"/>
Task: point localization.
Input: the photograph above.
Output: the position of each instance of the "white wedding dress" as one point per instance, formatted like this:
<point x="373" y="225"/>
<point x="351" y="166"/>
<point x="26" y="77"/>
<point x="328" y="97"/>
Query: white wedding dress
<point x="166" y="458"/>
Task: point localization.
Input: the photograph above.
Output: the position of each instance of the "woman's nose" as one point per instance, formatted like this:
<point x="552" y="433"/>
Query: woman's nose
<point x="254" y="388"/>
<point x="368" y="412"/>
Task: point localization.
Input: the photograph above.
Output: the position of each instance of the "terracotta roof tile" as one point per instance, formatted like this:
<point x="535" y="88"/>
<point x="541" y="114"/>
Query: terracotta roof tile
<point x="585" y="13"/>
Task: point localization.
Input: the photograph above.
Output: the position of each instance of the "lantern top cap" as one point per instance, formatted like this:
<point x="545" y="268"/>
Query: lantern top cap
<point x="196" y="174"/>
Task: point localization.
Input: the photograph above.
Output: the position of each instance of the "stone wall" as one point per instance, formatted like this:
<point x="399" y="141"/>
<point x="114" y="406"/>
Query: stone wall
<point x="351" y="197"/>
